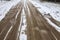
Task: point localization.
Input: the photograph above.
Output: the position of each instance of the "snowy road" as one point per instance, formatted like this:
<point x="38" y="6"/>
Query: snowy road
<point x="9" y="25"/>
<point x="37" y="26"/>
<point x="48" y="8"/>
<point x="25" y="21"/>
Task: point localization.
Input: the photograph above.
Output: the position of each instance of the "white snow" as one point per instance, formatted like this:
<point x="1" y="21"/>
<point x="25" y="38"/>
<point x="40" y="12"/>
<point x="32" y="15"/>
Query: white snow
<point x="6" y="7"/>
<point x="51" y="23"/>
<point x="3" y="2"/>
<point x="47" y="7"/>
<point x="23" y="35"/>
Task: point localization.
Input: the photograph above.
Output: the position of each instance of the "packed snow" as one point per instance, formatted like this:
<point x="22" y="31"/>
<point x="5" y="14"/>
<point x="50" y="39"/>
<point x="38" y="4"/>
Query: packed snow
<point x="23" y="27"/>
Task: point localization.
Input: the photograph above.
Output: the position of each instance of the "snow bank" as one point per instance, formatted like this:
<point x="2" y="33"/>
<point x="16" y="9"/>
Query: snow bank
<point x="52" y="8"/>
<point x="3" y="2"/>
<point x="6" y="7"/>
<point x="51" y="23"/>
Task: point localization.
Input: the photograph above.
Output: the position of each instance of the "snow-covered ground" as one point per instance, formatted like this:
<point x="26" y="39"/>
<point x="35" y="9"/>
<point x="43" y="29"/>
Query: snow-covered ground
<point x="49" y="8"/>
<point x="3" y="2"/>
<point x="7" y="5"/>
